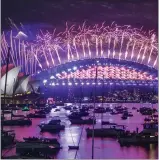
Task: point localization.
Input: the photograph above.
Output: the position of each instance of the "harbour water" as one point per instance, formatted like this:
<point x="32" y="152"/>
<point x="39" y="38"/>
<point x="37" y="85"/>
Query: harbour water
<point x="104" y="148"/>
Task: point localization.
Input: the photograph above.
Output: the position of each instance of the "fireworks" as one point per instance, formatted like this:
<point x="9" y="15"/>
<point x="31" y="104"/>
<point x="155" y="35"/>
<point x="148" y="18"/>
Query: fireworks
<point x="81" y="42"/>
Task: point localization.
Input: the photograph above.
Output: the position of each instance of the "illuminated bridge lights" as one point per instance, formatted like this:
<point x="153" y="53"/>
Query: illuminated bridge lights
<point x="106" y="72"/>
<point x="100" y="83"/>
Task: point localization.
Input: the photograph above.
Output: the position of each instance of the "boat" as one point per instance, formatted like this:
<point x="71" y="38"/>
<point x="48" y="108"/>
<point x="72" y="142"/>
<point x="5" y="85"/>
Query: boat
<point x="56" y="110"/>
<point x="90" y="106"/>
<point x="6" y="112"/>
<point x="42" y="112"/>
<point x="74" y="108"/>
<point x="111" y="131"/>
<point x="83" y="113"/>
<point x="34" y="107"/>
<point x="53" y="141"/>
<point x="7" y="138"/>
<point x="155" y="116"/>
<point x="128" y="114"/>
<point x="82" y="121"/>
<point x="73" y="147"/>
<point x="75" y="115"/>
<point x="67" y="107"/>
<point x="26" y="147"/>
<point x="107" y="122"/>
<point x="31" y="115"/>
<point x="28" y="155"/>
<point x="149" y="135"/>
<point x="147" y="119"/>
<point x="108" y="109"/>
<point x="124" y="117"/>
<point x="47" y="109"/>
<point x="100" y="110"/>
<point x="54" y="120"/>
<point x="83" y="109"/>
<point x="51" y="128"/>
<point x="14" y="115"/>
<point x="17" y="122"/>
<point x="114" y="113"/>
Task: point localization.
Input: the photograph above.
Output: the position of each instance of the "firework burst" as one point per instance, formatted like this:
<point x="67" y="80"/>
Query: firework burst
<point x="81" y="42"/>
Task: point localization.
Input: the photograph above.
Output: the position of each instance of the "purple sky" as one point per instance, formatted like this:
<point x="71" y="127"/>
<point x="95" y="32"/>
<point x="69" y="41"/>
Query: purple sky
<point x="56" y="12"/>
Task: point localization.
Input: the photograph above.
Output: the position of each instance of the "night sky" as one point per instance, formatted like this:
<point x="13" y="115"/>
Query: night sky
<point x="137" y="13"/>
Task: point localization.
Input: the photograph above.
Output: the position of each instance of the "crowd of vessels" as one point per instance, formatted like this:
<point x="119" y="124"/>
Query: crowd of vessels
<point x="40" y="147"/>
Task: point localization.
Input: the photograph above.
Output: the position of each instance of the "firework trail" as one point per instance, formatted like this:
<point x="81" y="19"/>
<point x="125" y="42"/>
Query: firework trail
<point x="81" y="42"/>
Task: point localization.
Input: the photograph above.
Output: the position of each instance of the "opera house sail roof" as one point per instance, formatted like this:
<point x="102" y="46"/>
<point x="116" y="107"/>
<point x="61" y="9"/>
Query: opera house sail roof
<point x="17" y="83"/>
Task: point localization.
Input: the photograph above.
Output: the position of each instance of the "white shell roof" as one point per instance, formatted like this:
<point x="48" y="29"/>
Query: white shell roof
<point x="11" y="80"/>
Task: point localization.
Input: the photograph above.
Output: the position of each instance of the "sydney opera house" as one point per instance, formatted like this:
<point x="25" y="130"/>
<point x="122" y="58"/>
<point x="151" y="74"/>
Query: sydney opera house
<point x="16" y="83"/>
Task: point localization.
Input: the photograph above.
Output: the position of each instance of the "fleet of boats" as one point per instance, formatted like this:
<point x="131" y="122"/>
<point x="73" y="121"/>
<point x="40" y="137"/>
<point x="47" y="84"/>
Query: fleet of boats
<point x="80" y="115"/>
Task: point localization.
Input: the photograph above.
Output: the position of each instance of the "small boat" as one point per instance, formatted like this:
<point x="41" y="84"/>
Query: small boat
<point x="31" y="115"/>
<point x="155" y="116"/>
<point x="56" y="110"/>
<point x="83" y="113"/>
<point x="34" y="107"/>
<point x="113" y="113"/>
<point x="73" y="147"/>
<point x="83" y="109"/>
<point x="6" y="112"/>
<point x="42" y="112"/>
<point x="130" y="115"/>
<point x="53" y="141"/>
<point x="100" y="110"/>
<point x="82" y="121"/>
<point x="7" y="138"/>
<point x="154" y="110"/>
<point x="54" y="121"/>
<point x="107" y="122"/>
<point x="124" y="117"/>
<point x="51" y="128"/>
<point x="90" y="106"/>
<point x="17" y="122"/>
<point x="14" y="115"/>
<point x="108" y="109"/>
<point x="29" y="155"/>
<point x="75" y="115"/>
<point x="111" y="131"/>
<point x="23" y="147"/>
<point x="67" y="107"/>
<point x="147" y="119"/>
<point x="74" y="108"/>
